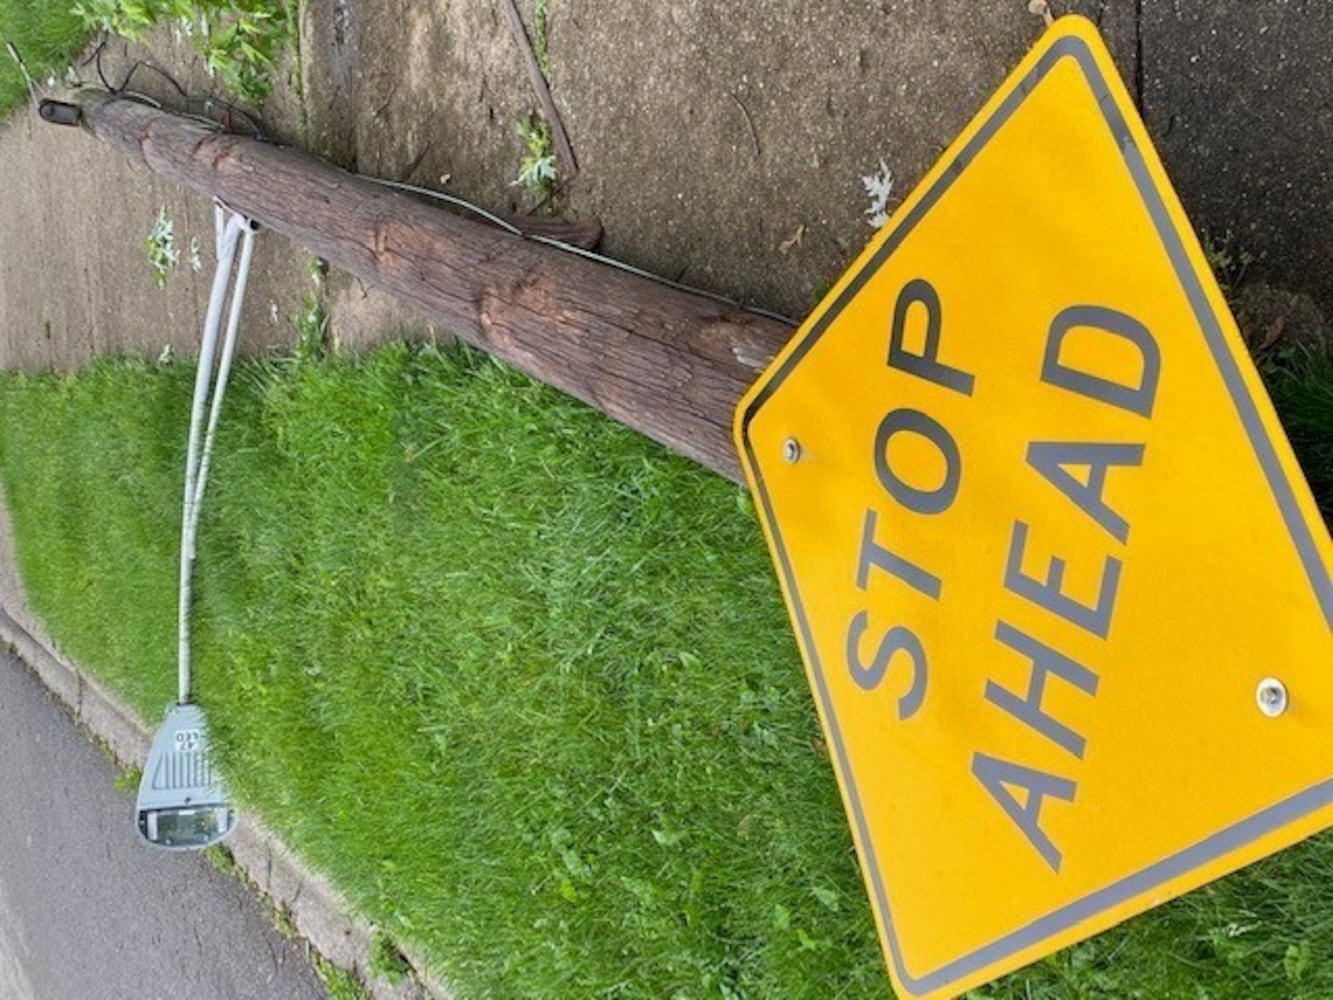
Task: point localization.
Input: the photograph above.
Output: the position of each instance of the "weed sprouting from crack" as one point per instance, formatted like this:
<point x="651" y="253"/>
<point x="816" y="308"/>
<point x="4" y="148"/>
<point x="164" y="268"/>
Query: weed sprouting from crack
<point x="541" y="36"/>
<point x="161" y="246"/>
<point x="879" y="188"/>
<point x="538" y="171"/>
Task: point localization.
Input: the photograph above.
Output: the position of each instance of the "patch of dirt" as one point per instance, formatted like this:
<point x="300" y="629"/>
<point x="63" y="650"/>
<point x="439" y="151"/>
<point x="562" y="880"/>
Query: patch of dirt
<point x="1272" y="317"/>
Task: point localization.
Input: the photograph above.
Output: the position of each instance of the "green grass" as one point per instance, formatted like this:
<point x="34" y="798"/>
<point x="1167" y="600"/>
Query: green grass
<point x="47" y="35"/>
<point x="242" y="41"/>
<point x="523" y="685"/>
<point x="1301" y="385"/>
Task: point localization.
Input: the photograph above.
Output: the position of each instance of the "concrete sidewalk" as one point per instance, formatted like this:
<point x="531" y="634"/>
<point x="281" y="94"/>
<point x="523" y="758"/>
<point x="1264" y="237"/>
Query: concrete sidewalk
<point x="724" y="144"/>
<point x="74" y="276"/>
<point x="723" y="147"/>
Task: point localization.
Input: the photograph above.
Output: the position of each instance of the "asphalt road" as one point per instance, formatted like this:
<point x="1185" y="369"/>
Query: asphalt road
<point x="89" y="913"/>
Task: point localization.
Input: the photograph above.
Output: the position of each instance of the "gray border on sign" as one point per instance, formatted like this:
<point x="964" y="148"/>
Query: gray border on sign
<point x="1210" y="848"/>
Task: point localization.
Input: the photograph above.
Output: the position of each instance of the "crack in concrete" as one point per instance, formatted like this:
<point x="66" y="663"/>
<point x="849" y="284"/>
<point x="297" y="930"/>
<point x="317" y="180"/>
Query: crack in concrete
<point x="1138" y="56"/>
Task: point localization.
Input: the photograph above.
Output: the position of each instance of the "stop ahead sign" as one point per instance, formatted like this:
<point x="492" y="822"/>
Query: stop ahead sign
<point x="1062" y="592"/>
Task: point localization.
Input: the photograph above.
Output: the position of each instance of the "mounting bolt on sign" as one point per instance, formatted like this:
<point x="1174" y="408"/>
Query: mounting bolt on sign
<point x="1049" y="486"/>
<point x="1272" y="697"/>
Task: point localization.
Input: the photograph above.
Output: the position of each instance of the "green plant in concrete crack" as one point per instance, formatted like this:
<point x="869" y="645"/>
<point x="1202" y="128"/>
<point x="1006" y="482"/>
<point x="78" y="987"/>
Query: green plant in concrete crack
<point x="241" y="40"/>
<point x="283" y="921"/>
<point x="541" y="36"/>
<point x="161" y="246"/>
<point x="341" y="984"/>
<point x="222" y="860"/>
<point x="312" y="330"/>
<point x="1229" y="261"/>
<point x="538" y="170"/>
<point x="386" y="960"/>
<point x="127" y="782"/>
<point x="313" y="341"/>
<point x="822" y="289"/>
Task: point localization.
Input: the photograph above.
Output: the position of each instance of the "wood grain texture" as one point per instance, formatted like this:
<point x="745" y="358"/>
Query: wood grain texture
<point x="670" y="364"/>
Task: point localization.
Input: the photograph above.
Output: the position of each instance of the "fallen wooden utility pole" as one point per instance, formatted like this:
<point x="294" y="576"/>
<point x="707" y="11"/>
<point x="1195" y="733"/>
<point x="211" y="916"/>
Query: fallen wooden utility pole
<point x="665" y="362"/>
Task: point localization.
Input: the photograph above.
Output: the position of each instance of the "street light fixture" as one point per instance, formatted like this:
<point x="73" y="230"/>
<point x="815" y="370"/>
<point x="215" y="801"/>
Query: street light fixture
<point x="183" y="803"/>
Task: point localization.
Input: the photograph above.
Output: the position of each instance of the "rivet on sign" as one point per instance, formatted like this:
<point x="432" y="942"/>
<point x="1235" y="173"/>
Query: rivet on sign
<point x="1272" y="697"/>
<point x="791" y="450"/>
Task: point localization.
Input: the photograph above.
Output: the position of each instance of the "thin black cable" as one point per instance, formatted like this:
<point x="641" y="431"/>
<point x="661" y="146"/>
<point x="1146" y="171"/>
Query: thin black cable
<point x="207" y="101"/>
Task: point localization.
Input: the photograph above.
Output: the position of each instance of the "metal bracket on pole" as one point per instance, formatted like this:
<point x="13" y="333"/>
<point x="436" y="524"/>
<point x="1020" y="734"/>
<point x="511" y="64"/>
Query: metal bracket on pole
<point x="60" y="112"/>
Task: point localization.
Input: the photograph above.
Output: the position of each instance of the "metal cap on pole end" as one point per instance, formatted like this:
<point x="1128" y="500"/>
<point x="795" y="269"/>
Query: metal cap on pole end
<point x="60" y="112"/>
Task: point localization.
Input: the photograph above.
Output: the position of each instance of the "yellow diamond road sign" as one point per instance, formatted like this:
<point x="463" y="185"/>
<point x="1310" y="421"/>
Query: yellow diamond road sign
<point x="1062" y="592"/>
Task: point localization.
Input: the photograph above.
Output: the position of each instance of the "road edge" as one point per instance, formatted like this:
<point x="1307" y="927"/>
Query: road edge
<point x="322" y="916"/>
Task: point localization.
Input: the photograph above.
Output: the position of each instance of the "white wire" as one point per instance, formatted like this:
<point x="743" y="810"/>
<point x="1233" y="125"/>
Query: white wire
<point x="228" y="230"/>
<point x="575" y="250"/>
<point x="224" y="369"/>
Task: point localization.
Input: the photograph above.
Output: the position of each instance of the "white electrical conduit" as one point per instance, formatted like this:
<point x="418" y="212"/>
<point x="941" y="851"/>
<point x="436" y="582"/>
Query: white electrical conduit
<point x="230" y="229"/>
